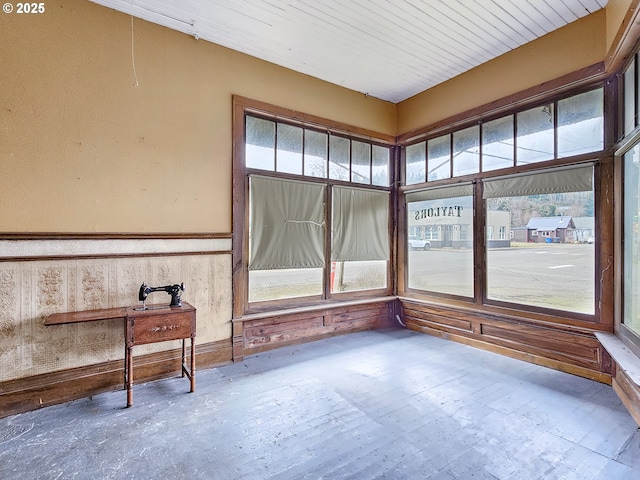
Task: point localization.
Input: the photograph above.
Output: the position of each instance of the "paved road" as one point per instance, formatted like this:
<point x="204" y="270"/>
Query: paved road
<point x="557" y="275"/>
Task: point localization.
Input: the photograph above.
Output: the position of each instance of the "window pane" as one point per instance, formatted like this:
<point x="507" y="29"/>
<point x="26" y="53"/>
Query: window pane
<point x="550" y="261"/>
<point x="497" y="144"/>
<point x="361" y="162"/>
<point x="261" y="141"/>
<point x="380" y="161"/>
<point x="339" y="158"/>
<point x="354" y="276"/>
<point x="315" y="153"/>
<point x="629" y="98"/>
<point x="631" y="310"/>
<point x="581" y="124"/>
<point x="289" y="154"/>
<point x="636" y="92"/>
<point x="534" y="142"/>
<point x="466" y="151"/>
<point x="439" y="158"/>
<point x="440" y="245"/>
<point x="415" y="161"/>
<point x="277" y="284"/>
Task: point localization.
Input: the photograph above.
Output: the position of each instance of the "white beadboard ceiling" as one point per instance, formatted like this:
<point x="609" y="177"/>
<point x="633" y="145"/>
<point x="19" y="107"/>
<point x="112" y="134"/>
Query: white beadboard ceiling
<point x="389" y="49"/>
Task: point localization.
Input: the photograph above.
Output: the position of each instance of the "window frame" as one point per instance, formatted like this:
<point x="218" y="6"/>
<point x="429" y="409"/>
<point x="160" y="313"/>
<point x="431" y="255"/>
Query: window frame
<point x="630" y="337"/>
<point x="627" y="140"/>
<point x="242" y="107"/>
<point x="602" y="314"/>
<point x="403" y="252"/>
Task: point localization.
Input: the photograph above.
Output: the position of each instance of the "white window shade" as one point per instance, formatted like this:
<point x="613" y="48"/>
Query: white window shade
<point x="360" y="225"/>
<point x="462" y="190"/>
<point x="286" y="224"/>
<point x="578" y="179"/>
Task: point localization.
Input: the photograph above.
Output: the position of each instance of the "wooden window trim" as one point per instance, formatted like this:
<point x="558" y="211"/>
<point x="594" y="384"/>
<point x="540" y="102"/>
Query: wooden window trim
<point x="574" y="84"/>
<point x="240" y="248"/>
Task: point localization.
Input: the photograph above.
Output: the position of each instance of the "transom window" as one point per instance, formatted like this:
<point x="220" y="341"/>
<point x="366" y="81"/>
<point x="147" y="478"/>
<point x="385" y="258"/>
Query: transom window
<point x="283" y="148"/>
<point x="554" y="130"/>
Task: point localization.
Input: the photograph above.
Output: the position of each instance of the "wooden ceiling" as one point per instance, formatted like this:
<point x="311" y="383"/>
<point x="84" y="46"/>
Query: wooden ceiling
<point x="389" y="49"/>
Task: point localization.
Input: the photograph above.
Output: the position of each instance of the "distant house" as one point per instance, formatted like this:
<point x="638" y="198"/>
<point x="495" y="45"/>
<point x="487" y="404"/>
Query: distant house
<point x="551" y="230"/>
<point x="585" y="230"/>
<point x="520" y="234"/>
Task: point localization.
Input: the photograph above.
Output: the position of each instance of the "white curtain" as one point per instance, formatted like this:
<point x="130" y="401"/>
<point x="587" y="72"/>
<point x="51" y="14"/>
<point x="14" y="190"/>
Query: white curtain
<point x="360" y="225"/>
<point x="286" y="225"/>
<point x="579" y="179"/>
<point x="462" y="190"/>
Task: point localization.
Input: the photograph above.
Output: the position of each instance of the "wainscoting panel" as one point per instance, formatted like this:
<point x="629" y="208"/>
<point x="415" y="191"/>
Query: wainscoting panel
<point x="568" y="348"/>
<point x="34" y="285"/>
<point x="260" y="332"/>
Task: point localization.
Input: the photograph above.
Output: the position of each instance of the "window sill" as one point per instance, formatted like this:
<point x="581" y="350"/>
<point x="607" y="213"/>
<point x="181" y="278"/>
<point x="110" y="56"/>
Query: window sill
<point x="628" y="361"/>
<point x="312" y="308"/>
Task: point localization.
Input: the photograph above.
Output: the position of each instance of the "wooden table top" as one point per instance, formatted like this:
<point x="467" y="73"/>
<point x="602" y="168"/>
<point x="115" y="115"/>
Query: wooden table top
<point x="112" y="313"/>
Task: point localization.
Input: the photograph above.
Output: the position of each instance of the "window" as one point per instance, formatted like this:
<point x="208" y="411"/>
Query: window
<point x="316" y="213"/>
<point x="629" y="98"/>
<point x="415" y="162"/>
<point x="531" y="244"/>
<point x="548" y="268"/>
<point x="497" y="144"/>
<point x="628" y="318"/>
<point x="534" y="142"/>
<point x="581" y="124"/>
<point x="286" y="239"/>
<point x="466" y="151"/>
<point x="631" y="242"/>
<point x="360" y="239"/>
<point x="439" y="158"/>
<point x="444" y="218"/>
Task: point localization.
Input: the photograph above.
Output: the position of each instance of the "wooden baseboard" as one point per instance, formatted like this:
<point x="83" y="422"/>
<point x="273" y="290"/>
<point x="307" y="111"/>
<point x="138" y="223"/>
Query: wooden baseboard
<point x="25" y="394"/>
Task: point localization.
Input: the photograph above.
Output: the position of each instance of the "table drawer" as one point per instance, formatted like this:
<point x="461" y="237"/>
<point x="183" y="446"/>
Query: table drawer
<point x="159" y="328"/>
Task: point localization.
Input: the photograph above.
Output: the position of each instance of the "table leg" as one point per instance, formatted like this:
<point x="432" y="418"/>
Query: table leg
<point x="129" y="368"/>
<point x="183" y="356"/>
<point x="124" y="384"/>
<point x="193" y="365"/>
<point x="126" y="367"/>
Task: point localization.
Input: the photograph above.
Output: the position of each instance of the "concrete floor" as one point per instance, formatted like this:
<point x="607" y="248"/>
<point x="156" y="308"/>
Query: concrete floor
<point x="388" y="404"/>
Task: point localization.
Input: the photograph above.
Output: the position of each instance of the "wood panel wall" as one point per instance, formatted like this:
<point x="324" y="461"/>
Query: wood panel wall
<point x="568" y="348"/>
<point x="627" y="390"/>
<point x="261" y="332"/>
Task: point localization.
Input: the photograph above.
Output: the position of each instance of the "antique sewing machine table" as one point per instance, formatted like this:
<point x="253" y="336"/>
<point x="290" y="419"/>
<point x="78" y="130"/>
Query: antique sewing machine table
<point x="153" y="324"/>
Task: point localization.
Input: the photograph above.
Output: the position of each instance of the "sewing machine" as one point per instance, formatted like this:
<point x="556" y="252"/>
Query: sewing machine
<point x="173" y="290"/>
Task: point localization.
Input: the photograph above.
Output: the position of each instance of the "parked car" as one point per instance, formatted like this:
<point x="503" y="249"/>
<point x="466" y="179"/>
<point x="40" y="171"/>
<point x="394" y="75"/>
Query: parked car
<point x="416" y="243"/>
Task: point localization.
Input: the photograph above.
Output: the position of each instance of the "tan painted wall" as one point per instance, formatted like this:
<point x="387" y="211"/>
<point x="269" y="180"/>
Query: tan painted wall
<point x="615" y="13"/>
<point x="578" y="45"/>
<point x="83" y="149"/>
